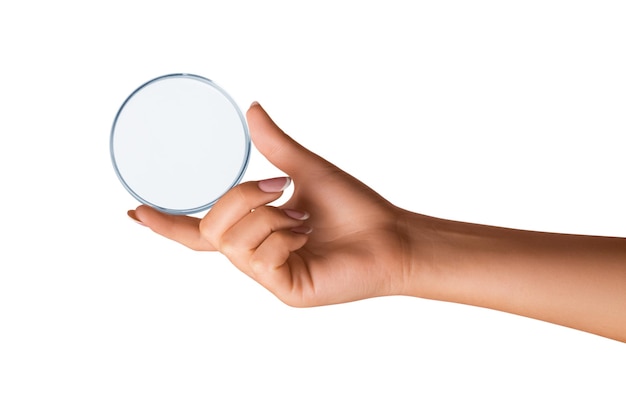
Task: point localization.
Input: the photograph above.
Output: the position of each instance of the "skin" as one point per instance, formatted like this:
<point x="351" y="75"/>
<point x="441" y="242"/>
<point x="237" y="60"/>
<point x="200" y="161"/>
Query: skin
<point x="336" y="240"/>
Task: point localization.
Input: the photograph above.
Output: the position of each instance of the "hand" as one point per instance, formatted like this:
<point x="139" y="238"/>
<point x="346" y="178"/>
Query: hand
<point x="334" y="241"/>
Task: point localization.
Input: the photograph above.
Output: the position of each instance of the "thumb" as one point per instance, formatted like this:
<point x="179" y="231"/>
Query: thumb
<point x="281" y="150"/>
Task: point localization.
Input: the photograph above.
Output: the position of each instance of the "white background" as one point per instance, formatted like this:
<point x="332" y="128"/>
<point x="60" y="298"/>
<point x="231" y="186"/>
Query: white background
<point x="505" y="113"/>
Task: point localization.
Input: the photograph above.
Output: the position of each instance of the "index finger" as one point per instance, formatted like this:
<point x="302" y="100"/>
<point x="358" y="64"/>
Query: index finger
<point x="182" y="229"/>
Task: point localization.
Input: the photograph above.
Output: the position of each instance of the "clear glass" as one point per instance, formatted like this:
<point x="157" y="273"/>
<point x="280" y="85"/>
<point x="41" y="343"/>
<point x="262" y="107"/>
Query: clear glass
<point x="178" y="143"/>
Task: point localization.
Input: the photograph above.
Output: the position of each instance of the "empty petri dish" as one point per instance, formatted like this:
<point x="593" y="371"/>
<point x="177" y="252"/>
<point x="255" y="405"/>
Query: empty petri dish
<point x="178" y="143"/>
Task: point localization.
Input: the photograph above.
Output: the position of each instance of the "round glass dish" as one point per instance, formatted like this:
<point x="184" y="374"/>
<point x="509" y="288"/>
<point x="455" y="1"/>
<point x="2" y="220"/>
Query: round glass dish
<point x="178" y="143"/>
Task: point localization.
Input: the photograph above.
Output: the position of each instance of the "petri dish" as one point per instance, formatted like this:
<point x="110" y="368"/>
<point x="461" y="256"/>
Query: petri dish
<point x="178" y="143"/>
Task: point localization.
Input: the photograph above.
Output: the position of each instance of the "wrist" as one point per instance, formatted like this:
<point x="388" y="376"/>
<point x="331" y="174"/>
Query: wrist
<point x="440" y="255"/>
<point x="423" y="256"/>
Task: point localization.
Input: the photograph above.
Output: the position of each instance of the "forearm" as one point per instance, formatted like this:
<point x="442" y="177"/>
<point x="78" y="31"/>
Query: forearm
<point x="571" y="280"/>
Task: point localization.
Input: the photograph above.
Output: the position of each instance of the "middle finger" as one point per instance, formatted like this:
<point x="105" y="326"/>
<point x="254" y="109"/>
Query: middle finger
<point x="237" y="203"/>
<point x="246" y="235"/>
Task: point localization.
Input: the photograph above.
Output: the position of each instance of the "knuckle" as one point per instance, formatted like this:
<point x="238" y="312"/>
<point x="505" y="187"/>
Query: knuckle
<point x="258" y="265"/>
<point x="243" y="193"/>
<point x="228" y="245"/>
<point x="207" y="232"/>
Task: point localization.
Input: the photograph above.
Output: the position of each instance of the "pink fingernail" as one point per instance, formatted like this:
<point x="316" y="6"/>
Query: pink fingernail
<point x="132" y="215"/>
<point x="303" y="230"/>
<point x="296" y="214"/>
<point x="274" y="185"/>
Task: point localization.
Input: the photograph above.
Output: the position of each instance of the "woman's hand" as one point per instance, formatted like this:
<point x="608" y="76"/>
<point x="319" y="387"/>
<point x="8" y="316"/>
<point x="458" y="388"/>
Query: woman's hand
<point x="334" y="241"/>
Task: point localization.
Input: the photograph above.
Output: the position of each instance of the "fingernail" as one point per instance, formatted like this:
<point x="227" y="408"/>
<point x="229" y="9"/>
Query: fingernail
<point x="297" y="214"/>
<point x="274" y="185"/>
<point x="303" y="230"/>
<point x="254" y="103"/>
<point x="132" y="215"/>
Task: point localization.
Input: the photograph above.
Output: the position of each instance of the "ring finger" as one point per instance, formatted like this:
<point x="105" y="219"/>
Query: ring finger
<point x="242" y="239"/>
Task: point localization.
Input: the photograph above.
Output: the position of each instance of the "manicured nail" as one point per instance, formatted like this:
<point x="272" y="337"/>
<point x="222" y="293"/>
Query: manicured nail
<point x="132" y="215"/>
<point x="274" y="185"/>
<point x="297" y="214"/>
<point x="303" y="230"/>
